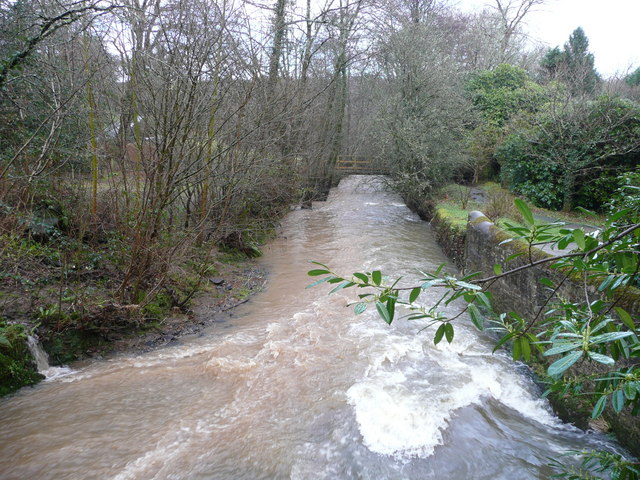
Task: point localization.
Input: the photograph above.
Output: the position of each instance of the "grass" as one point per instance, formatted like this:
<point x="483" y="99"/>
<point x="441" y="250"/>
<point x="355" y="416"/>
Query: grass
<point x="452" y="213"/>
<point x="499" y="207"/>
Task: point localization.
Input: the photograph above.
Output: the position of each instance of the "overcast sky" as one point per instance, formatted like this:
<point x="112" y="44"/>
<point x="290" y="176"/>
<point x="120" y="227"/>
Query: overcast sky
<point x="612" y="27"/>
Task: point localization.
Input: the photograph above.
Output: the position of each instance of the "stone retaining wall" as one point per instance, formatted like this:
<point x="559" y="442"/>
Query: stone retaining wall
<point x="450" y="237"/>
<point x="523" y="293"/>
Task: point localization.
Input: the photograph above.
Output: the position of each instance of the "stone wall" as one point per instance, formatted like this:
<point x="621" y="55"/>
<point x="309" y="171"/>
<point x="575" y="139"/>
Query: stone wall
<point x="523" y="293"/>
<point x="450" y="237"/>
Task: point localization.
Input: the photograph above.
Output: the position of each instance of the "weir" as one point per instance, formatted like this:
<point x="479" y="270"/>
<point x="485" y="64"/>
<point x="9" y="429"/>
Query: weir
<point x="296" y="386"/>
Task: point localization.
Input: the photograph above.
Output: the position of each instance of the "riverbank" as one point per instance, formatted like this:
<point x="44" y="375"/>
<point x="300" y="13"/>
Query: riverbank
<point x="86" y="292"/>
<point x="233" y="286"/>
<point x="86" y="325"/>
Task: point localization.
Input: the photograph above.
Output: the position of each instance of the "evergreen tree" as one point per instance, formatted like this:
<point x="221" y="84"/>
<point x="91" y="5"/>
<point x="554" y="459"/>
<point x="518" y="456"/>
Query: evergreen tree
<point x="581" y="73"/>
<point x="551" y="62"/>
<point x="573" y="65"/>
<point x="633" y="79"/>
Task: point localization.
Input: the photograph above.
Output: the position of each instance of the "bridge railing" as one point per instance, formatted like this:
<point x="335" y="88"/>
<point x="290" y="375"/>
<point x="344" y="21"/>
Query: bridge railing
<point x="352" y="164"/>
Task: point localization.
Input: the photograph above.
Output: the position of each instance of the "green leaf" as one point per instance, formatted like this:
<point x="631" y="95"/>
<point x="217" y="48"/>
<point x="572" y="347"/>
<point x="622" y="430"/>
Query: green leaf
<point x="586" y="212"/>
<point x="558" y="367"/>
<point x="382" y="311"/>
<point x="604" y="359"/>
<point x="466" y="285"/>
<point x="525" y="347"/>
<point x="376" y="276"/>
<point x="321" y="264"/>
<point x="360" y="308"/>
<point x="617" y="400"/>
<point x="578" y="237"/>
<point x="609" y="337"/>
<point x="625" y="318"/>
<point x="345" y="284"/>
<point x="599" y="407"/>
<point x="497" y="269"/>
<point x="316" y="272"/>
<point x="515" y="255"/>
<point x="415" y="293"/>
<point x="546" y="282"/>
<point x="516" y="351"/>
<point x="564" y="242"/>
<point x="4" y="341"/>
<point x="448" y="332"/>
<point x="391" y="307"/>
<point x="527" y="216"/>
<point x="476" y="317"/>
<point x="361" y="276"/>
<point x="533" y="340"/>
<point x="562" y="347"/>
<point x="502" y="341"/>
<point x="630" y="390"/>
<point x="318" y="282"/>
<point x="439" y="334"/>
<point x="618" y="215"/>
<point x="483" y="299"/>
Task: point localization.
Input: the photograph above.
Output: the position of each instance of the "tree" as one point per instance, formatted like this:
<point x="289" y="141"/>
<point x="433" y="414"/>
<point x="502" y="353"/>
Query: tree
<point x="552" y="62"/>
<point x="477" y="40"/>
<point x="633" y="79"/>
<point x="44" y="120"/>
<point x="279" y="31"/>
<point x="574" y="65"/>
<point x="573" y="151"/>
<point x="502" y="92"/>
<point x="423" y="113"/>
<point x="499" y="95"/>
<point x="512" y="14"/>
<point x="45" y="24"/>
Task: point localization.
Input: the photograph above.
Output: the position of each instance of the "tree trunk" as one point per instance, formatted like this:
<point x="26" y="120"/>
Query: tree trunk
<point x="276" y="50"/>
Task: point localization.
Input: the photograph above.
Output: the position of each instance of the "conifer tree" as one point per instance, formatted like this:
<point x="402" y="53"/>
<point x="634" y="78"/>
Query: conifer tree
<point x="573" y="65"/>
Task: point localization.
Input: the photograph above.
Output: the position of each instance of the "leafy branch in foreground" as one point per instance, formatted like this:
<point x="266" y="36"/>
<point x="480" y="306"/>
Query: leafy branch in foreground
<point x="597" y="331"/>
<point x="597" y="462"/>
<point x="386" y="297"/>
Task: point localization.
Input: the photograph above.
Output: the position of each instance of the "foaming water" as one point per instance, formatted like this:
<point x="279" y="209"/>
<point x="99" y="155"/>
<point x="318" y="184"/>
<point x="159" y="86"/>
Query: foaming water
<point x="298" y="386"/>
<point x="42" y="361"/>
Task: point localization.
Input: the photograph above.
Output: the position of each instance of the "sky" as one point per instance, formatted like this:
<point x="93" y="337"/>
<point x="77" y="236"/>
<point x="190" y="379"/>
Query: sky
<point x="612" y="27"/>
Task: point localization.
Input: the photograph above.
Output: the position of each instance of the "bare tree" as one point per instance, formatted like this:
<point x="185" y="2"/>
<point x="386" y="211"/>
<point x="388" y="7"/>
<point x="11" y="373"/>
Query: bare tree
<point x="512" y="14"/>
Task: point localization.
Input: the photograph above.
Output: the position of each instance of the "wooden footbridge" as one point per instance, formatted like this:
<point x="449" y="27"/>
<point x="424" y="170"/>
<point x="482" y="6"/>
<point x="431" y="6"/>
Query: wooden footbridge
<point x="351" y="164"/>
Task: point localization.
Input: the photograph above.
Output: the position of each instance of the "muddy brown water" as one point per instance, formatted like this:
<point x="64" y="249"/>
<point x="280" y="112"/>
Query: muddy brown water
<point x="297" y="386"/>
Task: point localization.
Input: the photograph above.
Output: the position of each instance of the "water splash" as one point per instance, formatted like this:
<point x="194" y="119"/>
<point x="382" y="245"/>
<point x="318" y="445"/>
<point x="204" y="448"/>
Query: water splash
<point x="42" y="361"/>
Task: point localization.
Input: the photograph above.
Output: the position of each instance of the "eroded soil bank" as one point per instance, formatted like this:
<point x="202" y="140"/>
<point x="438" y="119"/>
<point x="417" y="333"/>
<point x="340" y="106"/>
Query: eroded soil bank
<point x="116" y="330"/>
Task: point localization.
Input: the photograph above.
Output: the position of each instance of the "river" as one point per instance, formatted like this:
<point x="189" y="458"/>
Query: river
<point x="296" y="386"/>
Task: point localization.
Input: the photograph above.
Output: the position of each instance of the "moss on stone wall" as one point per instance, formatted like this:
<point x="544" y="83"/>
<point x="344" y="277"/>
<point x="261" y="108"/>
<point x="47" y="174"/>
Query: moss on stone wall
<point x="17" y="367"/>
<point x="450" y="236"/>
